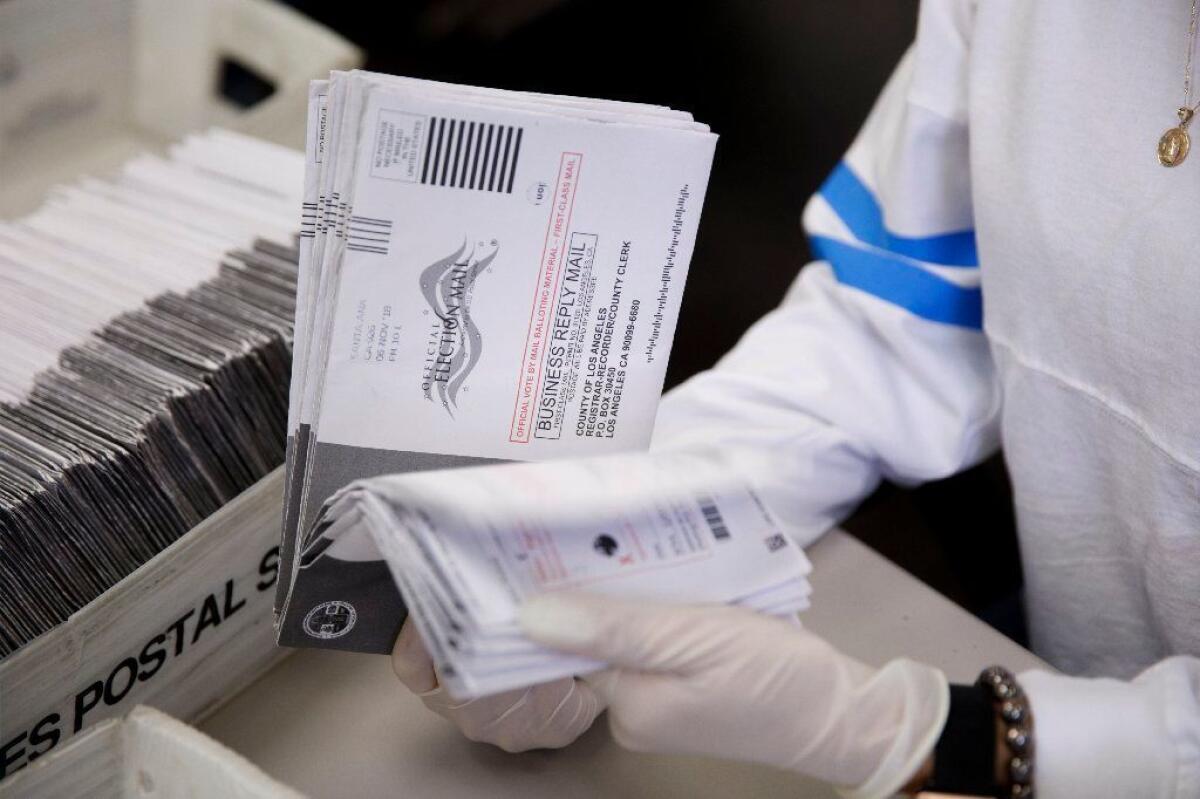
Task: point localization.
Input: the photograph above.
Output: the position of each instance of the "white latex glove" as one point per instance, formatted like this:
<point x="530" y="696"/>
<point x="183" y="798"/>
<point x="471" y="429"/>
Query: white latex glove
<point x="547" y="716"/>
<point x="728" y="682"/>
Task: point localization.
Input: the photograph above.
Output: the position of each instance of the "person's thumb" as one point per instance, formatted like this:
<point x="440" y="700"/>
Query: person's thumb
<point x="411" y="661"/>
<point x="626" y="634"/>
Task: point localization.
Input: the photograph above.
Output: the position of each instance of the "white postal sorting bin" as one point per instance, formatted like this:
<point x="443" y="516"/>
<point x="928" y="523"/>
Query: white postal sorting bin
<point x="148" y="755"/>
<point x="183" y="633"/>
<point x="85" y="84"/>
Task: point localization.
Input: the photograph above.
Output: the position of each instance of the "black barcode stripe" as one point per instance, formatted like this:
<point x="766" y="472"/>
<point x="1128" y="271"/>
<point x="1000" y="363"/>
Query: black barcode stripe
<point x="446" y="155"/>
<point x="504" y="165"/>
<point x="508" y="135"/>
<point x="475" y="159"/>
<point x="512" y="172"/>
<point x="457" y="166"/>
<point x="468" y="152"/>
<point x="712" y="516"/>
<point x="459" y="127"/>
<point x="502" y="134"/>
<point x="447" y="144"/>
<point x="428" y="149"/>
<point x="448" y="152"/>
<point x="375" y="220"/>
<point x="496" y="158"/>
<point x="487" y="157"/>
<point x="457" y="153"/>
<point x="462" y="151"/>
<point x="496" y="162"/>
<point x="469" y="163"/>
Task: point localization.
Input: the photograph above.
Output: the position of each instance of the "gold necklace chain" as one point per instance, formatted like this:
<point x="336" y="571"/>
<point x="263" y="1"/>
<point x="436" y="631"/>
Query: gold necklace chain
<point x="1174" y="145"/>
<point x="1187" y="69"/>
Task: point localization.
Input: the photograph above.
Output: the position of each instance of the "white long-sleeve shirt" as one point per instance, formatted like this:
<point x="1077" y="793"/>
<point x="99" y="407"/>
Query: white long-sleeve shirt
<point x="1003" y="260"/>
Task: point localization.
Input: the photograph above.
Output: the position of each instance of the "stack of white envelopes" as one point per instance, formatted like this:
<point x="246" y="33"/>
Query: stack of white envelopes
<point x="484" y="276"/>
<point x="145" y="326"/>
<point x="468" y="546"/>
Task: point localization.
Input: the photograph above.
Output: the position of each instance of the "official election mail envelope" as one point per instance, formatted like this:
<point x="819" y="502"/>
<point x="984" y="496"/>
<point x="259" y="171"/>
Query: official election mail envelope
<point x="490" y="276"/>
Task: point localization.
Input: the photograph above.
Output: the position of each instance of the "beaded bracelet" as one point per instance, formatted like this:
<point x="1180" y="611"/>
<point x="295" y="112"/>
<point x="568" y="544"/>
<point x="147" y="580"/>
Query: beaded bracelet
<point x="1013" y="708"/>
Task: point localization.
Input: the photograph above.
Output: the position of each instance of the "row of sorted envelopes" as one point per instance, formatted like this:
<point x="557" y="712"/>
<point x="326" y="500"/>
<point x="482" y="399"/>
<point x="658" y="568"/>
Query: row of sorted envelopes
<point x="146" y="323"/>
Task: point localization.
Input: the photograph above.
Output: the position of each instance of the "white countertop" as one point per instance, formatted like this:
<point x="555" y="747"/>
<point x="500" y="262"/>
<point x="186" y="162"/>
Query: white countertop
<point x="337" y="724"/>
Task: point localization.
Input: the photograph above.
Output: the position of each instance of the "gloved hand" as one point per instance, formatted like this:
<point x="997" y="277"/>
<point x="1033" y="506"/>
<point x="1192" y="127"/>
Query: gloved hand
<point x="545" y="716"/>
<point x="728" y="682"/>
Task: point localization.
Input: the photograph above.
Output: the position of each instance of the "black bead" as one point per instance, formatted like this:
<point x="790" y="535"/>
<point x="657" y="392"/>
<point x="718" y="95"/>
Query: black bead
<point x="1013" y="712"/>
<point x="993" y="676"/>
<point x="1020" y="770"/>
<point x="1017" y="739"/>
<point x="1007" y="690"/>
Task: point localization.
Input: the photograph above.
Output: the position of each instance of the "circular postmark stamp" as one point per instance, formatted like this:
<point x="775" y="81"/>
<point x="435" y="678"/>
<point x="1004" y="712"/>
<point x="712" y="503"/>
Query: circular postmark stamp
<point x="330" y="620"/>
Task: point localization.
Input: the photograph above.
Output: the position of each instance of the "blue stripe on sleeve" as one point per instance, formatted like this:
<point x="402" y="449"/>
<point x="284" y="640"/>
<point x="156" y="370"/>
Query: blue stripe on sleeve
<point x="860" y="210"/>
<point x="900" y="283"/>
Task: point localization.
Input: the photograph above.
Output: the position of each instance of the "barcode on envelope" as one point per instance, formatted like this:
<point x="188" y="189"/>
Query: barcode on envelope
<point x="368" y="234"/>
<point x="308" y="220"/>
<point x="712" y="516"/>
<point x="775" y="542"/>
<point x="464" y="154"/>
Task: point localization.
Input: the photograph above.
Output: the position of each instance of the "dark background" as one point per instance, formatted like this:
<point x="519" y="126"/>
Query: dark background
<point x="786" y="84"/>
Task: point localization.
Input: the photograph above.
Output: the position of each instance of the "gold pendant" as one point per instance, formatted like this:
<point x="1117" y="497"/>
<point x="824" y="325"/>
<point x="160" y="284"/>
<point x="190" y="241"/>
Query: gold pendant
<point x="1174" y="145"/>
